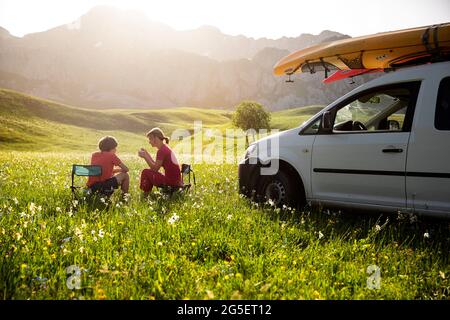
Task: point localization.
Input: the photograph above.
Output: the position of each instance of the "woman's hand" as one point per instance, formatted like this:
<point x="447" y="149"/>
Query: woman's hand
<point x="143" y="153"/>
<point x="147" y="157"/>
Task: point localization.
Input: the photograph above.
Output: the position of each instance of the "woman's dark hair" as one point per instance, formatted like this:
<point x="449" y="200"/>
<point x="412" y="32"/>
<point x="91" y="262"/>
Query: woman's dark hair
<point x="107" y="143"/>
<point x="157" y="132"/>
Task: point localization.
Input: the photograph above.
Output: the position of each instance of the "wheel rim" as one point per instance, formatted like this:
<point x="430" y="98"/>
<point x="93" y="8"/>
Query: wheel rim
<point x="276" y="192"/>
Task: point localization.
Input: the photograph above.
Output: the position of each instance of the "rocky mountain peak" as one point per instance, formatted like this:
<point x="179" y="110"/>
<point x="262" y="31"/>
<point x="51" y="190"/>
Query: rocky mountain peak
<point x="119" y="58"/>
<point x="4" y="34"/>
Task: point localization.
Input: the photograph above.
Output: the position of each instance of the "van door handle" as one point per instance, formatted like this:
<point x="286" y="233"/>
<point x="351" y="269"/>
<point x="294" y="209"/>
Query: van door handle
<point x="393" y="150"/>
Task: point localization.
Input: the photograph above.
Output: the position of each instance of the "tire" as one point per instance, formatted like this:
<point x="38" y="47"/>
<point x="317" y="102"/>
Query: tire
<point x="281" y="190"/>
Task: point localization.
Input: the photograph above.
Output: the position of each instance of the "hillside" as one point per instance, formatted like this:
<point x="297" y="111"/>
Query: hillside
<point x="291" y="118"/>
<point x="30" y="123"/>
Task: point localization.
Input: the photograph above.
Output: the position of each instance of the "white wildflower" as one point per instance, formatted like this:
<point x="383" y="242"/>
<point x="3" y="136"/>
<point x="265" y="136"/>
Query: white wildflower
<point x="101" y="233"/>
<point x="377" y="228"/>
<point x="320" y="235"/>
<point x="78" y="232"/>
<point x="229" y="216"/>
<point x="173" y="218"/>
<point x="426" y="235"/>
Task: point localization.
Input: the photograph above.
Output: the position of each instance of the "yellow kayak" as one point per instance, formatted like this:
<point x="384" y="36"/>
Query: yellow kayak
<point x="382" y="50"/>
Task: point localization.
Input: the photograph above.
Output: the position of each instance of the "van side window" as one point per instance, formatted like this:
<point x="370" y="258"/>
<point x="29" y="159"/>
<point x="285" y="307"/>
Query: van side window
<point x="442" y="115"/>
<point x="386" y="109"/>
<point x="313" y="128"/>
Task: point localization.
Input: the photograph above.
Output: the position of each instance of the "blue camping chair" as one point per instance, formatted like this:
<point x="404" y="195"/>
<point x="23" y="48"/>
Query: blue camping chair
<point x="83" y="170"/>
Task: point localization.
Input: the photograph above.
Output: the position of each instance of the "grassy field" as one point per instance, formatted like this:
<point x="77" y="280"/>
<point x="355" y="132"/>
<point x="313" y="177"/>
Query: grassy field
<point x="207" y="244"/>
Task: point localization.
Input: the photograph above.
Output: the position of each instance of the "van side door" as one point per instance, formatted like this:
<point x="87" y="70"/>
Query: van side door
<point x="363" y="160"/>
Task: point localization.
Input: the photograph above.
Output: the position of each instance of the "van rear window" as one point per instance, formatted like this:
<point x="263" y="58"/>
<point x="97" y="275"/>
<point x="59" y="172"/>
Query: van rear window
<point x="442" y="115"/>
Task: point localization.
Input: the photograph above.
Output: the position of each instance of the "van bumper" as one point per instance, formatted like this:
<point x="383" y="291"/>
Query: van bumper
<point x="247" y="173"/>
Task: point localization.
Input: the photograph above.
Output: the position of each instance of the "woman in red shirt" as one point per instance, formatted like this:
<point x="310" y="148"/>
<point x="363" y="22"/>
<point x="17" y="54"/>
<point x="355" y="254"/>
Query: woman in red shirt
<point x="165" y="158"/>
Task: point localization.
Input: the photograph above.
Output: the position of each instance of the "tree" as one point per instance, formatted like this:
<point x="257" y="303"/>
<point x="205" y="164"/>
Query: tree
<point x="251" y="115"/>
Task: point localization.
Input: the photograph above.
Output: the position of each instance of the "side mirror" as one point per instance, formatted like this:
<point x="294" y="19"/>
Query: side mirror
<point x="326" y="122"/>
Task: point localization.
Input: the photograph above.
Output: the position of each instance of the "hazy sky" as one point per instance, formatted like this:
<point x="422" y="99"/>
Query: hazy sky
<point x="271" y="19"/>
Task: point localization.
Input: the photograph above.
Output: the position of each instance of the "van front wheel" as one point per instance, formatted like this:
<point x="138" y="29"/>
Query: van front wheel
<point x="278" y="190"/>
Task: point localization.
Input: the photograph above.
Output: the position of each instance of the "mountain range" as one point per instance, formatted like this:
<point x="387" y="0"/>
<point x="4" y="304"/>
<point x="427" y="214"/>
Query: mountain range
<point x="111" y="58"/>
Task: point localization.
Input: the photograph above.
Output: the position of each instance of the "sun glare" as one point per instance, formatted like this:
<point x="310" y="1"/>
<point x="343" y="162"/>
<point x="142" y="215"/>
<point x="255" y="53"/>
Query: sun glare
<point x="272" y="19"/>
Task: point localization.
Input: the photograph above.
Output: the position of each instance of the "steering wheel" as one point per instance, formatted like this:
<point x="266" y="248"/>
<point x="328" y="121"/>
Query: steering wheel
<point x="358" y="125"/>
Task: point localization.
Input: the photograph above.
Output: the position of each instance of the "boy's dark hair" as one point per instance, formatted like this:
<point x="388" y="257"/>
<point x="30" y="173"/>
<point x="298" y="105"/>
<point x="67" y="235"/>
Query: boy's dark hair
<point x="107" y="143"/>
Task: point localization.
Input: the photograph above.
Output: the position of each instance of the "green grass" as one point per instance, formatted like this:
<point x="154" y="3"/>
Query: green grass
<point x="221" y="247"/>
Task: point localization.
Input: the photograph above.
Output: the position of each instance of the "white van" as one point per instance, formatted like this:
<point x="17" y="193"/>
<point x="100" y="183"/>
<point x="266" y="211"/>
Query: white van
<point x="383" y="146"/>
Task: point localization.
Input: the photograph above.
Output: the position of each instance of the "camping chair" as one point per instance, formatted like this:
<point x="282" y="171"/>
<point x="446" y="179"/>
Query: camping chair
<point x="186" y="170"/>
<point x="86" y="171"/>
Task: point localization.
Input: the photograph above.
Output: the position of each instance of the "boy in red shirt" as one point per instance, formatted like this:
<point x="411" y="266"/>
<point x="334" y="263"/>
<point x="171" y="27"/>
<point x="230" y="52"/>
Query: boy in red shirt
<point x="111" y="164"/>
<point x="165" y="158"/>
